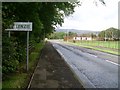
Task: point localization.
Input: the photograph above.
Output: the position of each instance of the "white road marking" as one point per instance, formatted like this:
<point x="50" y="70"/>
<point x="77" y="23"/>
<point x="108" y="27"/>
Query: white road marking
<point x="112" y="62"/>
<point x="60" y="53"/>
<point x="93" y="55"/>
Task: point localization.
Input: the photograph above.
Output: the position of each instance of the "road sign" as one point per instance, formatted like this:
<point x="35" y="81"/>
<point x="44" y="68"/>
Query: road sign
<point x="23" y="26"/>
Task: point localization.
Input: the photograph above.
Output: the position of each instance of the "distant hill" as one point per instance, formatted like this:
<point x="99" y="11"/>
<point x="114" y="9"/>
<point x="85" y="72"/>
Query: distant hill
<point x="77" y="31"/>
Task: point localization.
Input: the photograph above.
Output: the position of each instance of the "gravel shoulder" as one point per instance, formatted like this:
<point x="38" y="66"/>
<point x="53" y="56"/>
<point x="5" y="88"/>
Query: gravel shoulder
<point x="52" y="71"/>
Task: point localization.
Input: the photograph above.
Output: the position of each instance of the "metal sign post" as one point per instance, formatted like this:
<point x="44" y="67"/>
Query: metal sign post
<point x="9" y="34"/>
<point x="27" y="50"/>
<point x="23" y="26"/>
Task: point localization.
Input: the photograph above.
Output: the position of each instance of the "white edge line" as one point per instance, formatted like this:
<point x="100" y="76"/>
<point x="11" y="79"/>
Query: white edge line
<point x="112" y="62"/>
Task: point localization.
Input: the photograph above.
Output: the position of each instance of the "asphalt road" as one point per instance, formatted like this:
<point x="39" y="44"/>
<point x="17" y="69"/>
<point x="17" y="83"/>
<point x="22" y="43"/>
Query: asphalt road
<point x="94" y="69"/>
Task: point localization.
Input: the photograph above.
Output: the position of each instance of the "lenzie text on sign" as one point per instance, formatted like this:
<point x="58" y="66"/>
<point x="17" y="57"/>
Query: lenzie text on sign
<point x="25" y="26"/>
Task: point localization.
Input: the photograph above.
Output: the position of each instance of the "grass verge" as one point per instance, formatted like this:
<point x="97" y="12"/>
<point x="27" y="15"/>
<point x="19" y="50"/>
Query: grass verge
<point x="21" y="79"/>
<point x="107" y="50"/>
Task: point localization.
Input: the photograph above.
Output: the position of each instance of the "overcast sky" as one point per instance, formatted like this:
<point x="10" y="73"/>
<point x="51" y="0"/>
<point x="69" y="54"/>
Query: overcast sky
<point x="92" y="17"/>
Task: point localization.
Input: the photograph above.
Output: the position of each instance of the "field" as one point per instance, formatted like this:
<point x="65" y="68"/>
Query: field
<point x="106" y="44"/>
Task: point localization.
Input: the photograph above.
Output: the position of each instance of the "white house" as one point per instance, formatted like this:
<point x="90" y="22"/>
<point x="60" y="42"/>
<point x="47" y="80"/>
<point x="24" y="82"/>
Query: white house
<point x="82" y="38"/>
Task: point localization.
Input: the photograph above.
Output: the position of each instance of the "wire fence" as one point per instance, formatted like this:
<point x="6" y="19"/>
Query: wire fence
<point x="106" y="44"/>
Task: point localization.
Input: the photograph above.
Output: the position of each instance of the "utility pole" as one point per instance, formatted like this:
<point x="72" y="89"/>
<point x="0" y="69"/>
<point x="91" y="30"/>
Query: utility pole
<point x="112" y="36"/>
<point x="67" y="35"/>
<point x="105" y="36"/>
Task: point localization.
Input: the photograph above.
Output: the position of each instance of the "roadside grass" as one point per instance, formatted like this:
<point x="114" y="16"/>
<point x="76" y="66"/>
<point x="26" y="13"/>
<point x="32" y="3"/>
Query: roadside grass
<point x="107" y="44"/>
<point x="103" y="46"/>
<point x="15" y="81"/>
<point x="21" y="79"/>
<point x="1" y="84"/>
<point x="101" y="49"/>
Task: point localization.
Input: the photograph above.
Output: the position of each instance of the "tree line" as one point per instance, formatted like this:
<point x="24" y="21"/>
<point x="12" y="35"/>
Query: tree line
<point x="109" y="34"/>
<point x="61" y="35"/>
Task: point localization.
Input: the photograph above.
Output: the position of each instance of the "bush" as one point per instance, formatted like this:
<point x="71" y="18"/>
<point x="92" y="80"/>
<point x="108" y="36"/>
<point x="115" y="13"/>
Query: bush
<point x="9" y="60"/>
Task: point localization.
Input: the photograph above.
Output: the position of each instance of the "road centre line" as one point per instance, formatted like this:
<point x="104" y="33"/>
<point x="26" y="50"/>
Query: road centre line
<point x="92" y="55"/>
<point x="86" y="52"/>
<point x="96" y="57"/>
<point x="112" y="62"/>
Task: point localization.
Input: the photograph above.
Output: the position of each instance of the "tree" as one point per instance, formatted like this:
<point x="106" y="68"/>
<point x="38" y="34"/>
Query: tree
<point x="110" y="33"/>
<point x="44" y="15"/>
<point x="57" y="35"/>
<point x="72" y="34"/>
<point x="93" y="35"/>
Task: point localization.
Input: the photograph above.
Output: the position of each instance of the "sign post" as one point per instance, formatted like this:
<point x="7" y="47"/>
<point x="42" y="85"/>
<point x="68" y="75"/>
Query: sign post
<point x="27" y="50"/>
<point x="23" y="26"/>
<point x="9" y="34"/>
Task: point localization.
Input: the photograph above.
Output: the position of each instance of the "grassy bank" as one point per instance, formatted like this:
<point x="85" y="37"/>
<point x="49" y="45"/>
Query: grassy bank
<point x="108" y="46"/>
<point x="21" y="79"/>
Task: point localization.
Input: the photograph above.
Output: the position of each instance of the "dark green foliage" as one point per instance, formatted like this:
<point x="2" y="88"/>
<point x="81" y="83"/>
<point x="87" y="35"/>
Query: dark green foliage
<point x="57" y="35"/>
<point x="110" y="34"/>
<point x="72" y="34"/>
<point x="9" y="60"/>
<point x="93" y="35"/>
<point x="45" y="16"/>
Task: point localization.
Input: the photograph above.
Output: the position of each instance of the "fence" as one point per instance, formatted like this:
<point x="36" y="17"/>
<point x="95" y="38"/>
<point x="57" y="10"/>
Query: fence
<point x="107" y="44"/>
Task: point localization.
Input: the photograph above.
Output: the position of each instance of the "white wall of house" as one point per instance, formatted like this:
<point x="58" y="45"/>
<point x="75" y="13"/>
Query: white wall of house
<point x="82" y="38"/>
<point x="76" y="38"/>
<point x="89" y="38"/>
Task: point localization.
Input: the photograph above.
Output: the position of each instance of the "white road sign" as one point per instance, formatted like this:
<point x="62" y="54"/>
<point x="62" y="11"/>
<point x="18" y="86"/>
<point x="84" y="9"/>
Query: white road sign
<point x="23" y="26"/>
